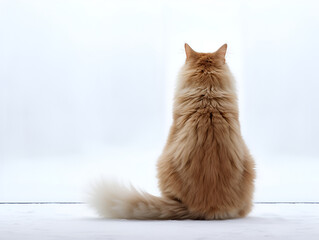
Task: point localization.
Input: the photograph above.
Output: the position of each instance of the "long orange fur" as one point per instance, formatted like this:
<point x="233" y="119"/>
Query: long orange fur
<point x="205" y="170"/>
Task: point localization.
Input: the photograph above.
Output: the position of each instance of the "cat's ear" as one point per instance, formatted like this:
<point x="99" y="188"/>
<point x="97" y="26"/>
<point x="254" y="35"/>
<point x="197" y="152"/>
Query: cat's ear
<point x="189" y="51"/>
<point x="221" y="52"/>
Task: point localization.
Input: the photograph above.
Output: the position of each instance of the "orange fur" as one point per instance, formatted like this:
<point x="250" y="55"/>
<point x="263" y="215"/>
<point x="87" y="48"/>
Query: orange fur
<point x="205" y="170"/>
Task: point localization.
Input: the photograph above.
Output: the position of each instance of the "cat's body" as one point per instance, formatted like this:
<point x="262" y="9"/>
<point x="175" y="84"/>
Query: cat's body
<point x="205" y="170"/>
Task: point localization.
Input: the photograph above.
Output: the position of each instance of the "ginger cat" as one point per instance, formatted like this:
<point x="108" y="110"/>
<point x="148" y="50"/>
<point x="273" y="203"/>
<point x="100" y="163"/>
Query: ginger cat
<point x="205" y="170"/>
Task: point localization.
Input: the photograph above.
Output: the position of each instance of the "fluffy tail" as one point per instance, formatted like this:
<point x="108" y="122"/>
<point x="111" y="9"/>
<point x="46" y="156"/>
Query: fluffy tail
<point x="113" y="200"/>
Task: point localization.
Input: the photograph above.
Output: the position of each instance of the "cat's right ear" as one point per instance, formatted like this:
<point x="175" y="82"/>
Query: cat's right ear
<point x="189" y="51"/>
<point x="221" y="52"/>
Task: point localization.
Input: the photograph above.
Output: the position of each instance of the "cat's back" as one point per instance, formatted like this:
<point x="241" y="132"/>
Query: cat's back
<point x="203" y="165"/>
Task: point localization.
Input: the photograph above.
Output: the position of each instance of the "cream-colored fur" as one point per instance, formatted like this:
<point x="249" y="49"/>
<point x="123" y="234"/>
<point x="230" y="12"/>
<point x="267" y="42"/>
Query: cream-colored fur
<point x="205" y="170"/>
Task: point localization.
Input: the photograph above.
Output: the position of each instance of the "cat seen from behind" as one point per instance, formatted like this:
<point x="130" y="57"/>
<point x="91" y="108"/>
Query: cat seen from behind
<point x="205" y="170"/>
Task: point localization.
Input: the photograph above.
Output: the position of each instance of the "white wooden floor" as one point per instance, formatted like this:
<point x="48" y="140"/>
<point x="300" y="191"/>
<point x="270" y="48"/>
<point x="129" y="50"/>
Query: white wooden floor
<point x="77" y="221"/>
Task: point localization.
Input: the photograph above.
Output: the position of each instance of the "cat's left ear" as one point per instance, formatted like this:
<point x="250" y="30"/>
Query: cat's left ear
<point x="221" y="52"/>
<point x="189" y="51"/>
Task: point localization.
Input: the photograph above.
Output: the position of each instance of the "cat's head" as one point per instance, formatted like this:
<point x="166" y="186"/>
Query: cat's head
<point x="206" y="61"/>
<point x="206" y="69"/>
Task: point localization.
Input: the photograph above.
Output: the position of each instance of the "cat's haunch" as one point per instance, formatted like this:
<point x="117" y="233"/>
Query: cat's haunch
<point x="205" y="170"/>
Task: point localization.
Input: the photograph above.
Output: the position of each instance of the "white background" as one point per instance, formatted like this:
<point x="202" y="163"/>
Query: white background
<point x="86" y="90"/>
